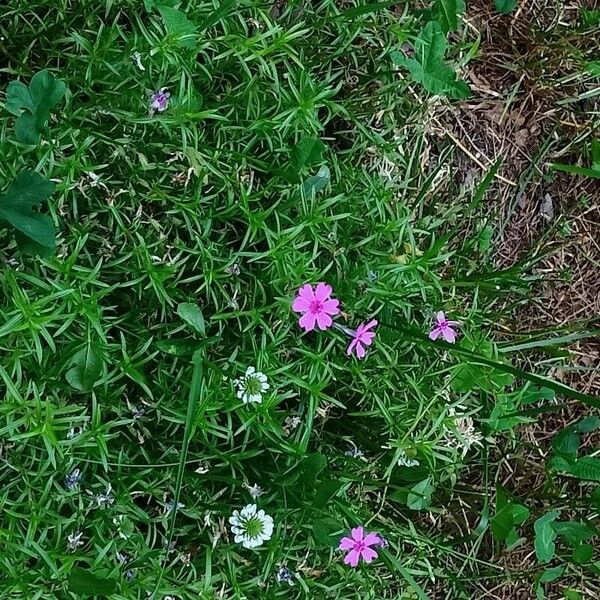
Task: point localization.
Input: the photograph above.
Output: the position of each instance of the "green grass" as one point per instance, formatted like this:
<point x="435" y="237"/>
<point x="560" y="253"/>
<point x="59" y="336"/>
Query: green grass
<point x="197" y="205"/>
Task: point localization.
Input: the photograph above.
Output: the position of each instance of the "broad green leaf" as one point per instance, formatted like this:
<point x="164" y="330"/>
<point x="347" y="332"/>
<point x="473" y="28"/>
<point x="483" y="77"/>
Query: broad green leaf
<point x="586" y="467"/>
<point x="420" y="495"/>
<point x="311" y="466"/>
<point x="447" y="13"/>
<point x="316" y="183"/>
<point x="573" y="532"/>
<point x="178" y="25"/>
<point x="570" y="594"/>
<point x="192" y="315"/>
<point x="306" y="152"/>
<point x="545" y="534"/>
<point x="32" y="105"/>
<point x="82" y="581"/>
<point x="86" y="369"/>
<point x="325" y="531"/>
<point x="566" y="442"/>
<point x="34" y="231"/>
<point x="587" y="424"/>
<point x="583" y="554"/>
<point x="508" y="516"/>
<point x="428" y="67"/>
<point x="505" y="6"/>
<point x="325" y="491"/>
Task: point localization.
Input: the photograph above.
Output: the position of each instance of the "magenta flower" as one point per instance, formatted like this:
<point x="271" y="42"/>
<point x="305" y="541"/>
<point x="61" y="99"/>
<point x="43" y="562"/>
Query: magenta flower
<point x="444" y="328"/>
<point x="359" y="546"/>
<point x="159" y="101"/>
<point x="316" y="305"/>
<point x="362" y="337"/>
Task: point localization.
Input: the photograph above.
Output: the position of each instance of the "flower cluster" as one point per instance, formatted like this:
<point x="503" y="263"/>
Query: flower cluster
<point x="318" y="308"/>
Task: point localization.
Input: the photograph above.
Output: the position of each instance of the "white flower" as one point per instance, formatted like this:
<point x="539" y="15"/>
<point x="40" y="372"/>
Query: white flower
<point x="136" y="59"/>
<point x="464" y="436"/>
<point x="404" y="461"/>
<point x="255" y="490"/>
<point x="250" y="526"/>
<point x="74" y="540"/>
<point x="252" y="386"/>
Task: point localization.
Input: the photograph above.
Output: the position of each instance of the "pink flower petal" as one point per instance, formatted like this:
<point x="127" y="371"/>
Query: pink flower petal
<point x="307" y="321"/>
<point x="351" y="347"/>
<point x="367" y="338"/>
<point x="434" y="334"/>
<point x="371" y="539"/>
<point x="323" y="292"/>
<point x="352" y="558"/>
<point x="324" y="321"/>
<point x="440" y="317"/>
<point x="301" y="304"/>
<point x="331" y="306"/>
<point x="360" y="350"/>
<point x="371" y="324"/>
<point x="368" y="554"/>
<point x="346" y="544"/>
<point x="449" y="335"/>
<point x="306" y="292"/>
<point x="357" y="534"/>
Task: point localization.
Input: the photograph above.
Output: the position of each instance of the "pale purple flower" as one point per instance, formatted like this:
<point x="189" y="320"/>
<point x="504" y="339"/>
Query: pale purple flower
<point x="363" y="336"/>
<point x="73" y="479"/>
<point x="159" y="101"/>
<point x="284" y="575"/>
<point x="444" y="328"/>
<point x="316" y="305"/>
<point x="359" y="546"/>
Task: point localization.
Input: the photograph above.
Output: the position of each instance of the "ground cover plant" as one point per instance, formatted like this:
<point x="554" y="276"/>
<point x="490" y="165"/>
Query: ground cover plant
<point x="255" y="339"/>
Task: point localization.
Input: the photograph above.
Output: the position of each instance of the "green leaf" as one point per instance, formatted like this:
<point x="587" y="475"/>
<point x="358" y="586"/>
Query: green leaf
<point x="419" y="497"/>
<point x="178" y="25"/>
<point x="428" y="67"/>
<point x="505" y="6"/>
<point x="586" y="467"/>
<point x="572" y="595"/>
<point x="313" y="185"/>
<point x="34" y="231"/>
<point x="32" y="105"/>
<point x="508" y="516"/>
<point x="192" y="315"/>
<point x="566" y="442"/>
<point x="82" y="581"/>
<point x="326" y="490"/>
<point x="545" y="534"/>
<point x="447" y="13"/>
<point x="583" y="554"/>
<point x="587" y="425"/>
<point x="325" y="531"/>
<point x="311" y="466"/>
<point x="86" y="369"/>
<point x="216" y="15"/>
<point x="306" y="152"/>
<point x="573" y="532"/>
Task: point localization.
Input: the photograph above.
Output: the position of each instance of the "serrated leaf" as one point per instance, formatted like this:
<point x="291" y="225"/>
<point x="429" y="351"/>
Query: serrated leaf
<point x="86" y="369"/>
<point x="545" y="534"/>
<point x="192" y="315"/>
<point x="420" y="495"/>
<point x="35" y="232"/>
<point x="505" y="6"/>
<point x="573" y="532"/>
<point x="586" y="467"/>
<point x="82" y="581"/>
<point x="33" y="104"/>
<point x="428" y="67"/>
<point x="178" y="25"/>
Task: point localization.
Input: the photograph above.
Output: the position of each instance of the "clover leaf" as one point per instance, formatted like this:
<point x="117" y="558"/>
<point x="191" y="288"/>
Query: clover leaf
<point x="34" y="231"/>
<point x="32" y="105"/>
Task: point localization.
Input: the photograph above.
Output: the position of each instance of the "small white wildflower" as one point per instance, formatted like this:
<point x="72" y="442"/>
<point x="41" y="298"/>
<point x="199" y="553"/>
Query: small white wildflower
<point x="74" y="432"/>
<point x="122" y="557"/>
<point x="405" y="461"/>
<point x="290" y="424"/>
<point x="74" y="541"/>
<point x="170" y="506"/>
<point x="254" y="490"/>
<point x="136" y="59"/>
<point x="464" y="435"/>
<point x="250" y="526"/>
<point x="284" y="575"/>
<point x="202" y="468"/>
<point x="252" y="386"/>
<point x="354" y="452"/>
<point x="73" y="479"/>
<point x="105" y="499"/>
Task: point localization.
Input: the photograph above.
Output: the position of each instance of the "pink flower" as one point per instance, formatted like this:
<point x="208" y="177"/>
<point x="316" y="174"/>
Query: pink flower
<point x="359" y="546"/>
<point x="362" y="337"/>
<point x="316" y="305"/>
<point x="444" y="328"/>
